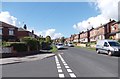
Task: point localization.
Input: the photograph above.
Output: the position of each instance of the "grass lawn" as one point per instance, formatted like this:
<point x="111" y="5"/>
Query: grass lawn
<point x="88" y="48"/>
<point x="54" y="49"/>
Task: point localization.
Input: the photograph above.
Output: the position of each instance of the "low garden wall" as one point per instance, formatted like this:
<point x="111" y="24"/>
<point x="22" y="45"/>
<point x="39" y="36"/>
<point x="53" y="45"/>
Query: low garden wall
<point x="85" y="45"/>
<point x="82" y="45"/>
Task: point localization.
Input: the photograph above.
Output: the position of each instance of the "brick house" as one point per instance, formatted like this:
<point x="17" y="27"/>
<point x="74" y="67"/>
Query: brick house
<point x="76" y="36"/>
<point x="8" y="32"/>
<point x="107" y="28"/>
<point x="23" y="33"/>
<point x="67" y="40"/>
<point x="97" y="33"/>
<point x="72" y="38"/>
<point x="11" y="33"/>
<point x="84" y="37"/>
<point x="101" y="32"/>
<point x="115" y="31"/>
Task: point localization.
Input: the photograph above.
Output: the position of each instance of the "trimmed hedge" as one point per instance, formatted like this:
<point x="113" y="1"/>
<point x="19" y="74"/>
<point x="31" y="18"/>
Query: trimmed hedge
<point x="19" y="47"/>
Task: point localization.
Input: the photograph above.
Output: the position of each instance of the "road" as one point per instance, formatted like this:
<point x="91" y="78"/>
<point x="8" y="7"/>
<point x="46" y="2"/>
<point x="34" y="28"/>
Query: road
<point x="71" y="62"/>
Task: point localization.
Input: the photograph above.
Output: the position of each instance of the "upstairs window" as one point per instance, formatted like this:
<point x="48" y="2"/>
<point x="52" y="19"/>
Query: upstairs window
<point x="11" y="32"/>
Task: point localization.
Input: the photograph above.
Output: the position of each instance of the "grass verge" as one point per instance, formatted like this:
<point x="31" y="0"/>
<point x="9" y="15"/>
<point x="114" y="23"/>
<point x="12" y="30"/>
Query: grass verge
<point x="54" y="49"/>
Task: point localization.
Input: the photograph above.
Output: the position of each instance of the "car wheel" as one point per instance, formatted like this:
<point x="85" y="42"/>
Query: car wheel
<point x="109" y="53"/>
<point x="98" y="51"/>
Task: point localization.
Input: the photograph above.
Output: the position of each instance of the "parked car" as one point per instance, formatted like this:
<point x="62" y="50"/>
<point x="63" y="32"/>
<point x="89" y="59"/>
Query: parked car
<point x="70" y="45"/>
<point x="60" y="46"/>
<point x="110" y="47"/>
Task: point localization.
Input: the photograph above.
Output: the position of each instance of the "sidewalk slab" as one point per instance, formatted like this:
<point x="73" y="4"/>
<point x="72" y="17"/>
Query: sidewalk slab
<point x="13" y="60"/>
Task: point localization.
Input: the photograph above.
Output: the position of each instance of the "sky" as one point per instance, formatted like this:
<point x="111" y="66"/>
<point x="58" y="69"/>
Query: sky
<point x="59" y="19"/>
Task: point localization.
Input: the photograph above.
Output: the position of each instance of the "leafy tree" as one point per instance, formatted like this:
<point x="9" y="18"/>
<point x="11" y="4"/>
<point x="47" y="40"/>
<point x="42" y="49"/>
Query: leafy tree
<point x="32" y="43"/>
<point x="48" y="39"/>
<point x="62" y="40"/>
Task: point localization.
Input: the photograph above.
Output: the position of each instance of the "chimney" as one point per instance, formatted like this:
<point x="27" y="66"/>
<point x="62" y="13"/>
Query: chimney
<point x="32" y="31"/>
<point x="25" y="27"/>
<point x="110" y="20"/>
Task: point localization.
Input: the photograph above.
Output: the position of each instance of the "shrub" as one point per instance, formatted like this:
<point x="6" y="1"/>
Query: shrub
<point x="19" y="47"/>
<point x="32" y="43"/>
<point x="46" y="46"/>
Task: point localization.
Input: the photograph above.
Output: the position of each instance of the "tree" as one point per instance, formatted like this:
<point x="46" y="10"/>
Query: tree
<point x="32" y="43"/>
<point x="48" y="39"/>
<point x="62" y="40"/>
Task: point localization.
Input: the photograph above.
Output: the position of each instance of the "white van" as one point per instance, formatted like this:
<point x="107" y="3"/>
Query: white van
<point x="111" y="47"/>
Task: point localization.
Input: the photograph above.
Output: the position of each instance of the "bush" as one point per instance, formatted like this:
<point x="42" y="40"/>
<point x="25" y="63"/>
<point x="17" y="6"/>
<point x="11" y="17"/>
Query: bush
<point x="19" y="47"/>
<point x="46" y="46"/>
<point x="32" y="43"/>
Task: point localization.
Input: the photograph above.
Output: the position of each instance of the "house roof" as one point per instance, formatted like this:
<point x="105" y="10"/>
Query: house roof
<point x="7" y="25"/>
<point x="22" y="29"/>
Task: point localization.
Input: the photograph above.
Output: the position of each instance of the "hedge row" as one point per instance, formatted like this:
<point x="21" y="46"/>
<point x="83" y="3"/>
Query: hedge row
<point x="19" y="47"/>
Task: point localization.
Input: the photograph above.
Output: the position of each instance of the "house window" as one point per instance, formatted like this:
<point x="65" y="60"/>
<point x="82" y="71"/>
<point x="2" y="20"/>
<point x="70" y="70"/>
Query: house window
<point x="0" y="31"/>
<point x="11" y="32"/>
<point x="113" y="28"/>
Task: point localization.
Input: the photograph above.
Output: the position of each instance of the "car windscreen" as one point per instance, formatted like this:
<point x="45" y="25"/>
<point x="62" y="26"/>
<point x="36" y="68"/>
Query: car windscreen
<point x="60" y="44"/>
<point x="114" y="43"/>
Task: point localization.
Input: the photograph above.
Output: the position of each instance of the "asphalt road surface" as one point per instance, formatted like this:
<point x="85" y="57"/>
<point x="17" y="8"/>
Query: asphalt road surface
<point x="72" y="62"/>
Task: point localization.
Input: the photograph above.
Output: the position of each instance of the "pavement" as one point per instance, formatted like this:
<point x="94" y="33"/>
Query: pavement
<point x="13" y="60"/>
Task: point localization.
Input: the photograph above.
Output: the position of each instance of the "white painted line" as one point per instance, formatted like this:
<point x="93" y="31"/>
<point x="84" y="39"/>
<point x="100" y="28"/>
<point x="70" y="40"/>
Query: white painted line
<point x="69" y="70"/>
<point x="59" y="67"/>
<point x="72" y="75"/>
<point x="59" y="70"/>
<point x="67" y="67"/>
<point x="58" y="64"/>
<point x="56" y="59"/>
<point x="61" y="75"/>
<point x="61" y="58"/>
<point x="65" y="64"/>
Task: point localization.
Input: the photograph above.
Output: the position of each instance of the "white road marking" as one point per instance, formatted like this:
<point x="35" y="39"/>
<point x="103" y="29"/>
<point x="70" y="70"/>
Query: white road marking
<point x="59" y="67"/>
<point x="59" y="70"/>
<point x="69" y="70"/>
<point x="61" y="58"/>
<point x="58" y="64"/>
<point x="67" y="67"/>
<point x="72" y="75"/>
<point x="65" y="64"/>
<point x="61" y="75"/>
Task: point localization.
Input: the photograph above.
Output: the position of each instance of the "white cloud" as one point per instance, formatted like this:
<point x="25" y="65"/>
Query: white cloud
<point x="50" y="32"/>
<point x="6" y="17"/>
<point x="108" y="10"/>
